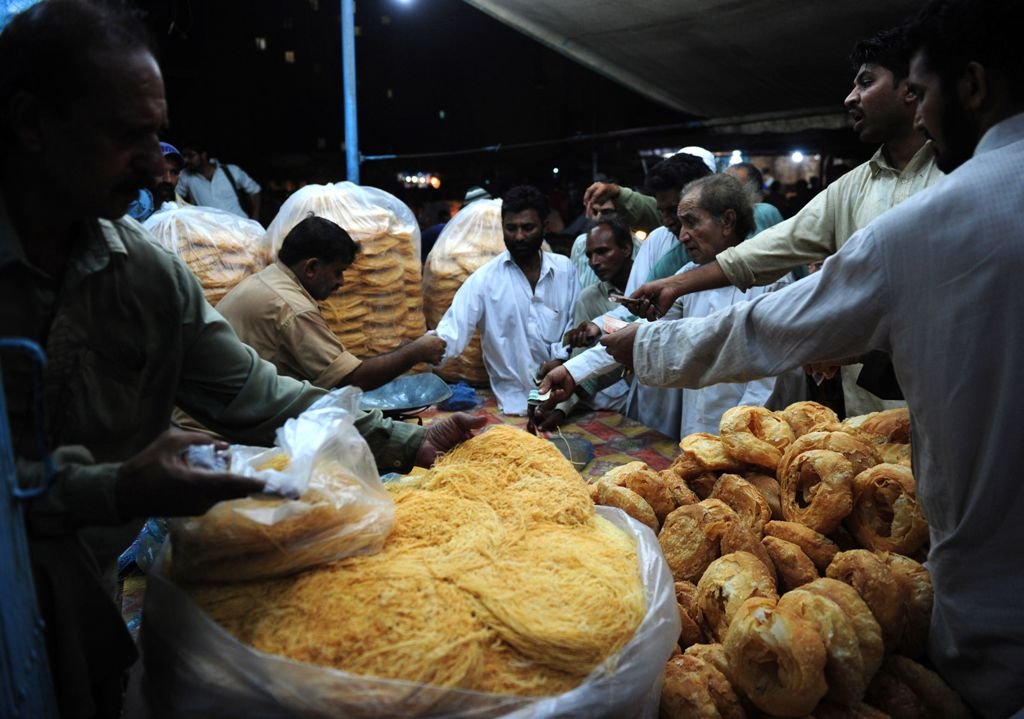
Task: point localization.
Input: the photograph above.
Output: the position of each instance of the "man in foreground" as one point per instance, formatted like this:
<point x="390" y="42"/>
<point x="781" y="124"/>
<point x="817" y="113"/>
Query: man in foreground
<point x="126" y="331"/>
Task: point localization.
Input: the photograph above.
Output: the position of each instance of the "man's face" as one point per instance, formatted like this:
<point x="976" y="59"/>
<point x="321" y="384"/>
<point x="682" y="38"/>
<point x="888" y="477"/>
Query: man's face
<point x="321" y="279"/>
<point x="165" y="185"/>
<point x="102" y="149"/>
<point x="701" y="234"/>
<point x="194" y="161"/>
<point x="668" y="201"/>
<point x="524" y="234"/>
<point x="880" y="110"/>
<point x="942" y="118"/>
<point x="603" y="211"/>
<point x="606" y="258"/>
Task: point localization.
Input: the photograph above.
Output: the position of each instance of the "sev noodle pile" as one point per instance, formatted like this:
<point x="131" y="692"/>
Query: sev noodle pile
<point x="498" y="577"/>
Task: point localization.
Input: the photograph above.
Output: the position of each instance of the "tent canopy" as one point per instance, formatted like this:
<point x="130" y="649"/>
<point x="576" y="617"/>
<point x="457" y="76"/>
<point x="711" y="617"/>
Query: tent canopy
<point x="724" y="60"/>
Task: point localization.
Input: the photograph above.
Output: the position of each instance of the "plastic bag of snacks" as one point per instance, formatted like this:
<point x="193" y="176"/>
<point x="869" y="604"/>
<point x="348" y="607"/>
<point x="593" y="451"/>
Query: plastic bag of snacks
<point x="338" y="507"/>
<point x="380" y="306"/>
<point x="219" y="247"/>
<point x="470" y="240"/>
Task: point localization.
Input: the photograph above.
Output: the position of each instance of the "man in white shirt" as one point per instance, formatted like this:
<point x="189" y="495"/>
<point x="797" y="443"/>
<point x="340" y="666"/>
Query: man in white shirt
<point x="521" y="301"/>
<point x="211" y="183"/>
<point x="935" y="283"/>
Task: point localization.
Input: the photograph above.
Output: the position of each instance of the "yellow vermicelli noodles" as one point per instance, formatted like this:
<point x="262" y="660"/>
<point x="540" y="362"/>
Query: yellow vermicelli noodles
<point x="498" y="576"/>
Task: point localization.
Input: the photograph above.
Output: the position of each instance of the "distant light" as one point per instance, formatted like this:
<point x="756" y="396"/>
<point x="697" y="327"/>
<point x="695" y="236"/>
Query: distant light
<point x="289" y="56"/>
<point x="441" y="114"/>
<point x="736" y="157"/>
<point x="554" y="170"/>
<point x="435" y="182"/>
<point x="640" y="235"/>
<point x="261" y="43"/>
<point x="797" y="157"/>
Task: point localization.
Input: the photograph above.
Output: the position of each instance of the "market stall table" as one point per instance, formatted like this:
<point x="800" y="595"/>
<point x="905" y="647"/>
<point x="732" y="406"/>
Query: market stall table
<point x="616" y="439"/>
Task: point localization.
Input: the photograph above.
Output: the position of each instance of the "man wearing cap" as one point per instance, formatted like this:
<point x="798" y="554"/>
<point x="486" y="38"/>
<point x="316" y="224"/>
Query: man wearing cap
<point x="166" y="189"/>
<point x="212" y="183"/>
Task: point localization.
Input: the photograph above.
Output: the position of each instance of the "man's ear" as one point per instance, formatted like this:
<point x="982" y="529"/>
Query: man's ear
<point x="25" y="117"/>
<point x="308" y="267"/>
<point x="906" y="93"/>
<point x="973" y="86"/>
<point x="729" y="220"/>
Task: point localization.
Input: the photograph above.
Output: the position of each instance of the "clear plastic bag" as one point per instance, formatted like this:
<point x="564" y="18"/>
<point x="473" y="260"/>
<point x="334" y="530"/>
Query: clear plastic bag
<point x="340" y="508"/>
<point x="470" y="240"/>
<point x="380" y="306"/>
<point x="194" y="668"/>
<point x="219" y="247"/>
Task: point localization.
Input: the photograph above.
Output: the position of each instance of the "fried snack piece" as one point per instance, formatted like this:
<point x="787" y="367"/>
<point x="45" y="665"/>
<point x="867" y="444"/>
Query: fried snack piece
<point x="891" y="425"/>
<point x="869" y="634"/>
<point x="728" y="582"/>
<point x="708" y="451"/>
<point x="918" y="609"/>
<point x="793" y="567"/>
<point x="691" y="536"/>
<point x="695" y="688"/>
<point x="755" y="435"/>
<point x="806" y="417"/>
<point x="886" y="515"/>
<point x="819" y="548"/>
<point x="874" y="581"/>
<point x="769" y="488"/>
<point x="745" y="499"/>
<point x="844" y="670"/>
<point x="936" y="695"/>
<point x="713" y="654"/>
<point x="893" y="453"/>
<point x="895" y="698"/>
<point x="817" y="489"/>
<point x="643" y="480"/>
<point x="628" y="501"/>
<point x="686" y="596"/>
<point x="860" y="453"/>
<point x="681" y="492"/>
<point x="738" y="538"/>
<point x="704" y="483"/>
<point x="777" y="659"/>
<point x="686" y="467"/>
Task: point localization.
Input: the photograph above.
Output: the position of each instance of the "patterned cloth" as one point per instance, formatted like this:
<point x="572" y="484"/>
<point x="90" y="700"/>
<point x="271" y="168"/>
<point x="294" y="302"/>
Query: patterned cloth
<point x="616" y="439"/>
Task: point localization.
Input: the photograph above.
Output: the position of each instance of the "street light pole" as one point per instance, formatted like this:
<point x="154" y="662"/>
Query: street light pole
<point x="348" y="71"/>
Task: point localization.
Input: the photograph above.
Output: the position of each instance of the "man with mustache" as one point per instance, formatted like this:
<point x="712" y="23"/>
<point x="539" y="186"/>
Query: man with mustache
<point x="126" y="331"/>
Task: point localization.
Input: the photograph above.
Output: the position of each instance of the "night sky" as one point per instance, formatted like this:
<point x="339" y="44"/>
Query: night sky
<point x="414" y="61"/>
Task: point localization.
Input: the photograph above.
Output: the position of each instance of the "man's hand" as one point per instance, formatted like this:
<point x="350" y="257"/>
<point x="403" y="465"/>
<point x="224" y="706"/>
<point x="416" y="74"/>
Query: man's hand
<point x="655" y="298"/>
<point x="444" y="435"/>
<point x="548" y="365"/>
<point x="583" y="335"/>
<point x="620" y="345"/>
<point x="600" y="192"/>
<point x="158" y="481"/>
<point x="548" y="420"/>
<point x="559" y="383"/>
<point x="430" y="348"/>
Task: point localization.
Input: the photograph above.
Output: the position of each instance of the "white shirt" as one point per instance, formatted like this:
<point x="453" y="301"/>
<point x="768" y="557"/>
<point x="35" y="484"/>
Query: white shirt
<point x="218" y="191"/>
<point x="520" y="327"/>
<point x="653" y="249"/>
<point x="702" y="409"/>
<point x="936" y="283"/>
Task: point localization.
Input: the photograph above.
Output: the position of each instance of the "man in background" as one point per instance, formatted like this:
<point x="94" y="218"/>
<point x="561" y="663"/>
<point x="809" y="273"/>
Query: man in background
<point x="211" y="183"/>
<point x="275" y="313"/>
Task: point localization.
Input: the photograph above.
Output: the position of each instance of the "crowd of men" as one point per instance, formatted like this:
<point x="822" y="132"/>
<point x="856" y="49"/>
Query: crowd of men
<point x="920" y="280"/>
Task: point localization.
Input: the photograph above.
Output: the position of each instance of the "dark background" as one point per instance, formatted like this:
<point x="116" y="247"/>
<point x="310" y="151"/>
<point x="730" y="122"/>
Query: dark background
<point x="283" y="121"/>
